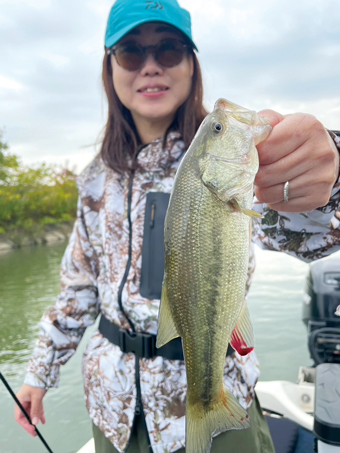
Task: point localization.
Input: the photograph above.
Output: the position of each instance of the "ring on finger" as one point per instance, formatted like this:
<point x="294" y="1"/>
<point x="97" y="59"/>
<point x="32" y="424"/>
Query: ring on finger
<point x="286" y="192"/>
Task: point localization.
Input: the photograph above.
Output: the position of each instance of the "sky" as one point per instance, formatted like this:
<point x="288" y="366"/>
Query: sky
<point x="277" y="54"/>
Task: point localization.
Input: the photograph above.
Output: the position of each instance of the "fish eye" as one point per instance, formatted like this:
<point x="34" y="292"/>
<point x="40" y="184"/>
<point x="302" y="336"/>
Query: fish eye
<point x="217" y="127"/>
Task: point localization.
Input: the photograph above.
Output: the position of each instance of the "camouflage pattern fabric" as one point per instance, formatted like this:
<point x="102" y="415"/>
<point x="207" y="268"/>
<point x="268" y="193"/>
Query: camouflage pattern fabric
<point x="92" y="269"/>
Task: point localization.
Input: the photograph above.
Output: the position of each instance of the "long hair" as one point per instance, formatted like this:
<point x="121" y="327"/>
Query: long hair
<point x="121" y="141"/>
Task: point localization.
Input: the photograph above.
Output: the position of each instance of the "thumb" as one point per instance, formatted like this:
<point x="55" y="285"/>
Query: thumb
<point x="37" y="408"/>
<point x="271" y="116"/>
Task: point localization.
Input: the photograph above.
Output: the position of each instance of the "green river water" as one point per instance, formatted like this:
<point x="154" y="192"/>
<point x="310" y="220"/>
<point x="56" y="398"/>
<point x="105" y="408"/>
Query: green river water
<point x="29" y="283"/>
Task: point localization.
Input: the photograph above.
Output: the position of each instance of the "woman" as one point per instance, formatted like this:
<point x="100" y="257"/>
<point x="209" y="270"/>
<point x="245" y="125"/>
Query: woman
<point x="153" y="83"/>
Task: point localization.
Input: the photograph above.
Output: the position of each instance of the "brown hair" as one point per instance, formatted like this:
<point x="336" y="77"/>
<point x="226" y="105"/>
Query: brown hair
<point x="121" y="142"/>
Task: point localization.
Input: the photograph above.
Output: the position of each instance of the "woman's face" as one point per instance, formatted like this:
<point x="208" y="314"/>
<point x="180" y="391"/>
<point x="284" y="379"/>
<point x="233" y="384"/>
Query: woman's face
<point x="153" y="92"/>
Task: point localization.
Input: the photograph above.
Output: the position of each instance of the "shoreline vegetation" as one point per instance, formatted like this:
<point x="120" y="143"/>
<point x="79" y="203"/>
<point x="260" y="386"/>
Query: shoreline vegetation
<point x="37" y="204"/>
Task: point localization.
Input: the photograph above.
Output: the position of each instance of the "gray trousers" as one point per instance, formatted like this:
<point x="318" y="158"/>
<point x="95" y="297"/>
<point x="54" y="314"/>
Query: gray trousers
<point x="256" y="439"/>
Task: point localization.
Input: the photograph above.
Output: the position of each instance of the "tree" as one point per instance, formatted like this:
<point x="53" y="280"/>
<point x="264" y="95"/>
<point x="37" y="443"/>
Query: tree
<point x="31" y="197"/>
<point x="8" y="162"/>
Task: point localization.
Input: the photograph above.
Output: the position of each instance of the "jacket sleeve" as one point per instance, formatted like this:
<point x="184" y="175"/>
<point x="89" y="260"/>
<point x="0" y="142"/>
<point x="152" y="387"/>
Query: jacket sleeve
<point x="76" y="308"/>
<point x="308" y="236"/>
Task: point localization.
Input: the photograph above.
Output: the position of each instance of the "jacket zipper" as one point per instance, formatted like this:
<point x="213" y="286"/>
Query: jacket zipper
<point x="120" y="291"/>
<point x="139" y="404"/>
<point x="128" y="264"/>
<point x="139" y="411"/>
<point x="139" y="407"/>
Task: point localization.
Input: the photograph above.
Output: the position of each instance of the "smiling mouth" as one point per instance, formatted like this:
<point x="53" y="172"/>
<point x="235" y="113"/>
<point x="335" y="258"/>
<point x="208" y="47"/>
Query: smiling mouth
<point x="153" y="90"/>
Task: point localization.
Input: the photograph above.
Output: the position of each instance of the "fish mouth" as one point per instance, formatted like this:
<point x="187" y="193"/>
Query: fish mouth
<point x="228" y="106"/>
<point x="238" y="113"/>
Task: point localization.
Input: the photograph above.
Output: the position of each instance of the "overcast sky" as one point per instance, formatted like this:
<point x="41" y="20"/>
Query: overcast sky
<point x="279" y="54"/>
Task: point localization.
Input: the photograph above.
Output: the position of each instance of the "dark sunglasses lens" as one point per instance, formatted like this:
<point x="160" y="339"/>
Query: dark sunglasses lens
<point x="169" y="53"/>
<point x="129" y="56"/>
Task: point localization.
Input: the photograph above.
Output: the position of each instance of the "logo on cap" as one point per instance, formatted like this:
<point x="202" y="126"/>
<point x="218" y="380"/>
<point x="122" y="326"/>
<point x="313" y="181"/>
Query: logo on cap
<point x="154" y="5"/>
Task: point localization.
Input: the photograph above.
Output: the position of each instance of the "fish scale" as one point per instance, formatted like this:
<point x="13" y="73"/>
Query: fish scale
<point x="207" y="239"/>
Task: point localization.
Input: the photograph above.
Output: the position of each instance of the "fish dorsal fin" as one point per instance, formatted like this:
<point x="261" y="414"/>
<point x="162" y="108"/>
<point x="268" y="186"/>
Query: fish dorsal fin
<point x="167" y="330"/>
<point x="242" y="338"/>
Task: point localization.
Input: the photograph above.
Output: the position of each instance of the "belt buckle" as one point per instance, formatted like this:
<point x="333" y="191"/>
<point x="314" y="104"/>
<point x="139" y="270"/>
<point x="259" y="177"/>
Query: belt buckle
<point x="149" y="345"/>
<point x="141" y="344"/>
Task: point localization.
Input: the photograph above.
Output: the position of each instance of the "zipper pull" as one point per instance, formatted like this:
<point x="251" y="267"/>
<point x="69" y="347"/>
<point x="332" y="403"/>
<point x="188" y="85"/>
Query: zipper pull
<point x="138" y="408"/>
<point x="152" y="221"/>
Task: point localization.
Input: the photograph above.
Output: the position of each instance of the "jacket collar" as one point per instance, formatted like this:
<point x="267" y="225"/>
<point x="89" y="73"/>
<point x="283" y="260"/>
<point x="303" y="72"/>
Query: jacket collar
<point x="153" y="157"/>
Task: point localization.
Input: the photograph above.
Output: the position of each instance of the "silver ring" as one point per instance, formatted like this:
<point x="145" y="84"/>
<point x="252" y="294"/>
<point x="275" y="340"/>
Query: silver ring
<point x="286" y="192"/>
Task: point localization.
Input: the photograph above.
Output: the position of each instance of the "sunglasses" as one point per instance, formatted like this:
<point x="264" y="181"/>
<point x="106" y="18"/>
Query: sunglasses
<point x="131" y="56"/>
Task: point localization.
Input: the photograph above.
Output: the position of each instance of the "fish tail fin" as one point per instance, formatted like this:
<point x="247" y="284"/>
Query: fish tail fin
<point x="203" y="422"/>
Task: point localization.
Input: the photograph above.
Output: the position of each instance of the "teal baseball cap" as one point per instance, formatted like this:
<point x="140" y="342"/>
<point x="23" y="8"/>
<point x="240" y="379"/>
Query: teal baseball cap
<point x="128" y="14"/>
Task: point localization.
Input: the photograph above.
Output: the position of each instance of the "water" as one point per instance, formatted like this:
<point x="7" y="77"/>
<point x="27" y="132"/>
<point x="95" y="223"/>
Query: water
<point x="29" y="283"/>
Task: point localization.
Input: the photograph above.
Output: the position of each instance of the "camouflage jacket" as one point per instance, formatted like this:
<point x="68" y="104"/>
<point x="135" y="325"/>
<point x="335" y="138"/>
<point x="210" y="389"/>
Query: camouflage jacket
<point x="92" y="270"/>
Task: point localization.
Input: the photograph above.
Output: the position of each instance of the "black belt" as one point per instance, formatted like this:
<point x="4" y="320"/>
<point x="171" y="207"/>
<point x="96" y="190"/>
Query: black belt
<point x="142" y="344"/>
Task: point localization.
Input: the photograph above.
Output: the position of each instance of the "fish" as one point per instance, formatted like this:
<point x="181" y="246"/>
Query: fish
<point x="207" y="235"/>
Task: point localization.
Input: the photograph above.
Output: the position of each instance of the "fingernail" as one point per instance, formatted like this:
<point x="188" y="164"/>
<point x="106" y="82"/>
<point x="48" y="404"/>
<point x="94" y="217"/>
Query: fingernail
<point x="35" y="420"/>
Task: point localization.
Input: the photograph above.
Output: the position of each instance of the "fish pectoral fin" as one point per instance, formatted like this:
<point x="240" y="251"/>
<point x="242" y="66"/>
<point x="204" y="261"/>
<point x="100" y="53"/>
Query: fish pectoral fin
<point x="242" y="338"/>
<point x="215" y="177"/>
<point x="249" y="212"/>
<point x="167" y="330"/>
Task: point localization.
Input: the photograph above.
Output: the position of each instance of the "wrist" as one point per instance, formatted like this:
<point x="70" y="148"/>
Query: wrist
<point x="335" y="136"/>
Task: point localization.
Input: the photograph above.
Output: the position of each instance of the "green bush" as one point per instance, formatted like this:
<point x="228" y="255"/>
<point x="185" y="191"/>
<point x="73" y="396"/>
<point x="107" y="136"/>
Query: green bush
<point x="31" y="197"/>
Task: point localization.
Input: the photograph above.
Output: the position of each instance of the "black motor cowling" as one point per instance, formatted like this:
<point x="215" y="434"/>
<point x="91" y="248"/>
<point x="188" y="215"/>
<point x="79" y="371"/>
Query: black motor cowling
<point x="321" y="302"/>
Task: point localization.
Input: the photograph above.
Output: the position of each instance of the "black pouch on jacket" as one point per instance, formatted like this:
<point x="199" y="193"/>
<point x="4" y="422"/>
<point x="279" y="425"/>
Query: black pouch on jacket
<point x="153" y="245"/>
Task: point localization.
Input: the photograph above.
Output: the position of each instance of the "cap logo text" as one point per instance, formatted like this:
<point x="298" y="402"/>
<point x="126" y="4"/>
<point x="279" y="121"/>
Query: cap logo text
<point x="154" y="5"/>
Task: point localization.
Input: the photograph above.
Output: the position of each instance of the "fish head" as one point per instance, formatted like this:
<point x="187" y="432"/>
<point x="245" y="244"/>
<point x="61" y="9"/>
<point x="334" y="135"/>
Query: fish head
<point x="227" y="156"/>
<point x="232" y="131"/>
<point x="259" y="127"/>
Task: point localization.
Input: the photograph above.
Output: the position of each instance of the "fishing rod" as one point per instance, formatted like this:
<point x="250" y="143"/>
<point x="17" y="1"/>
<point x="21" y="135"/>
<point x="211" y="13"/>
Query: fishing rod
<point x="8" y="387"/>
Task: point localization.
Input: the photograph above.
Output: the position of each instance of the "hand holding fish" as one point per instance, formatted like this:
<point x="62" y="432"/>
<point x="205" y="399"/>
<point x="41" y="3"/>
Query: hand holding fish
<point x="298" y="150"/>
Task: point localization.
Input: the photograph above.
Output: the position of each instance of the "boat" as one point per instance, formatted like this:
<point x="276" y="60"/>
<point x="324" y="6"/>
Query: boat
<point x="88" y="447"/>
<point x="304" y="417"/>
<point x="307" y="412"/>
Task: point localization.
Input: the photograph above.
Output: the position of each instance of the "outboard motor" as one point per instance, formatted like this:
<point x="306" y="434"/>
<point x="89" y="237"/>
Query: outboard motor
<point x="321" y="302"/>
<point x="321" y="314"/>
<point x="327" y="408"/>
